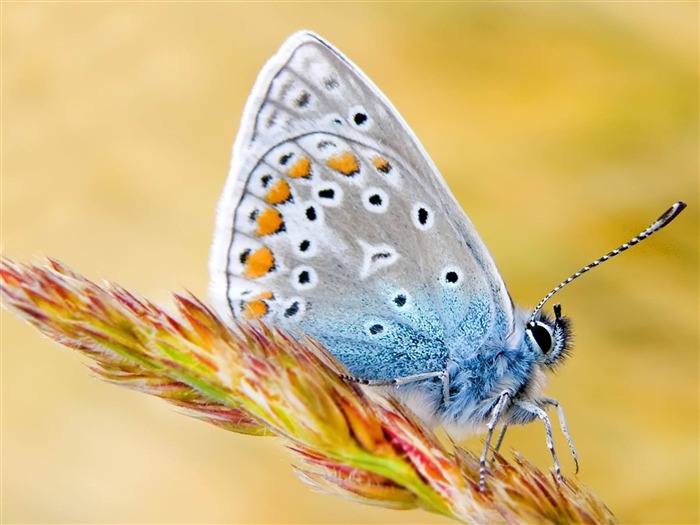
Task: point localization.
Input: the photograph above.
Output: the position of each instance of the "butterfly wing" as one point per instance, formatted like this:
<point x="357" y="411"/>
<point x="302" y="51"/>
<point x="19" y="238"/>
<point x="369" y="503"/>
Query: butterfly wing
<point x="335" y="220"/>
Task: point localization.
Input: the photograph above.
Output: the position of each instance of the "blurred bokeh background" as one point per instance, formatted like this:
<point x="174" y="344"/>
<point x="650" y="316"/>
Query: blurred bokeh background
<point x="563" y="129"/>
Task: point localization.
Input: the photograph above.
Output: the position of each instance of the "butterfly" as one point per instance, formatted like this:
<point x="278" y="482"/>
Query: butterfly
<point x="336" y="223"/>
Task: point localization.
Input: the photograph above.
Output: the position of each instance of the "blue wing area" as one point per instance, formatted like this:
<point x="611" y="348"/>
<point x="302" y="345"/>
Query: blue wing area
<point x="416" y="334"/>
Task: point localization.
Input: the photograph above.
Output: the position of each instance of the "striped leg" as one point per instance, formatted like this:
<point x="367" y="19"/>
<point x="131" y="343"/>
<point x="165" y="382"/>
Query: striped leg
<point x="499" y="441"/>
<point x="564" y="428"/>
<point x="399" y="381"/>
<point x="501" y="404"/>
<point x="534" y="409"/>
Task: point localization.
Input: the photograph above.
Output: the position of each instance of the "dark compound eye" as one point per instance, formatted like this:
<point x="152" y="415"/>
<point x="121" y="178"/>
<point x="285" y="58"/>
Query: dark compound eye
<point x="541" y="335"/>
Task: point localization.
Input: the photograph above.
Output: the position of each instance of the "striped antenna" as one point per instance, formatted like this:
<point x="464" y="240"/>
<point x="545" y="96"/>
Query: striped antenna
<point x="662" y="221"/>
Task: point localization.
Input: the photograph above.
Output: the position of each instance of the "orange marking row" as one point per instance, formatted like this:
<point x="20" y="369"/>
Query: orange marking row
<point x="269" y="222"/>
<point x="345" y="163"/>
<point x="259" y="263"/>
<point x="381" y="164"/>
<point x="300" y="169"/>
<point x="257" y="307"/>
<point x="279" y="193"/>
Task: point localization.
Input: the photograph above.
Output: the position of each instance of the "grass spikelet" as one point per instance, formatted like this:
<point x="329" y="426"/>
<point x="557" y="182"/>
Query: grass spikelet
<point x="255" y="379"/>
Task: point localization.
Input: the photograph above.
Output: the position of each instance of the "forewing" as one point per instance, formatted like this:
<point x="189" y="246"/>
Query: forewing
<point x="334" y="220"/>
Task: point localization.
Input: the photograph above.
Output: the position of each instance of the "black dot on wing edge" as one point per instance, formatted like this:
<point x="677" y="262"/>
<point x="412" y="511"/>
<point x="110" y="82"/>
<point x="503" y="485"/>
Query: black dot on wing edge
<point x="311" y="213"/>
<point x="400" y="300"/>
<point x="304" y="245"/>
<point x="451" y="277"/>
<point x="327" y="194"/>
<point x="304" y="277"/>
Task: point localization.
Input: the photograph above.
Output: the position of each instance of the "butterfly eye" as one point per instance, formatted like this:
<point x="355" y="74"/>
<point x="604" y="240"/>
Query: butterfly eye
<point x="542" y="335"/>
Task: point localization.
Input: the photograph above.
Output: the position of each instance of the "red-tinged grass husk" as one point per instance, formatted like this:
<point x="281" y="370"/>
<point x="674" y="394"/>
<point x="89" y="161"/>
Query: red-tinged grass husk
<point x="256" y="379"/>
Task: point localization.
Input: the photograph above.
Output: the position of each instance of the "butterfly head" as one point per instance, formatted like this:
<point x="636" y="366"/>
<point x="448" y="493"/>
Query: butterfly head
<point x="550" y="337"/>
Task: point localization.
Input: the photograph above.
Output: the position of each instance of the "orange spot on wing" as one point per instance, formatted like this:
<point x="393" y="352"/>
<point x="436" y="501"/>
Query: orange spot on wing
<point x="300" y="169"/>
<point x="269" y="221"/>
<point x="381" y="164"/>
<point x="259" y="263"/>
<point x="279" y="193"/>
<point x="345" y="163"/>
<point x="255" y="309"/>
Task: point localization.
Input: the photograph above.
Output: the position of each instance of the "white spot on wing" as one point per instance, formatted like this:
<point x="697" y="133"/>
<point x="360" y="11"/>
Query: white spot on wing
<point x="376" y="257"/>
<point x="375" y="200"/>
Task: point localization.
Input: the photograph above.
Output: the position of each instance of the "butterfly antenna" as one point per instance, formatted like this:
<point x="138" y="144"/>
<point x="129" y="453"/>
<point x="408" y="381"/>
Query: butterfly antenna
<point x="662" y="221"/>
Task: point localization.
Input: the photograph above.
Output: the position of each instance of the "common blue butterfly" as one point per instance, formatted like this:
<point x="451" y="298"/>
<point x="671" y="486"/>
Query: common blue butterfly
<point x="335" y="222"/>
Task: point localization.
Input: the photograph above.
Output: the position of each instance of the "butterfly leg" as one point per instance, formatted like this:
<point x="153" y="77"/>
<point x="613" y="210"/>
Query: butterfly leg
<point x="442" y="374"/>
<point x="537" y="411"/>
<point x="564" y="428"/>
<point x="499" y="441"/>
<point x="501" y="403"/>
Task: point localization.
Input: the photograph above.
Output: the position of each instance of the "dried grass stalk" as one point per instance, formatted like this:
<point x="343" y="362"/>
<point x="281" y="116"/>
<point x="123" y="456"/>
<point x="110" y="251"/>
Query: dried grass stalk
<point x="262" y="381"/>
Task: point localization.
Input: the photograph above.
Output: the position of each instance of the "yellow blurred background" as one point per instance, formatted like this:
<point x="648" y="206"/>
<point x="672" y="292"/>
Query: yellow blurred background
<point x="563" y="129"/>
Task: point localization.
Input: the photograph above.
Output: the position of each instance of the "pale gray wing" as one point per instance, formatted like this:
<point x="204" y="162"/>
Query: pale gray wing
<point x="335" y="220"/>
